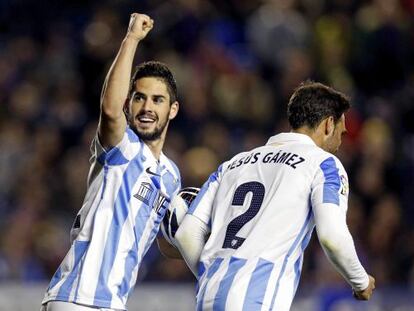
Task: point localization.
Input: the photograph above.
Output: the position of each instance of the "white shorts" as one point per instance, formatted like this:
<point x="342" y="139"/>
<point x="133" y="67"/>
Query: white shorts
<point x="69" y="306"/>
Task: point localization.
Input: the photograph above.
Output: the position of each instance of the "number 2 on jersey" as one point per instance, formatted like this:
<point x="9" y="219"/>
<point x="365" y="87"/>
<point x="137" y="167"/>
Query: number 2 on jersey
<point x="257" y="189"/>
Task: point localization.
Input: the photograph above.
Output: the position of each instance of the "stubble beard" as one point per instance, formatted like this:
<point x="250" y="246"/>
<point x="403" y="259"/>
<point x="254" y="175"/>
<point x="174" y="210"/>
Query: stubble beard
<point x="149" y="135"/>
<point x="332" y="144"/>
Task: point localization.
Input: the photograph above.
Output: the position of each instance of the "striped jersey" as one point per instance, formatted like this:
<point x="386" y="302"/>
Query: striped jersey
<point x="127" y="196"/>
<point x="258" y="206"/>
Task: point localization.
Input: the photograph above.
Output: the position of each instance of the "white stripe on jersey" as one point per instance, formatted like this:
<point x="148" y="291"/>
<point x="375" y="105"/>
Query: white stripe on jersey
<point x="259" y="208"/>
<point x="127" y="196"/>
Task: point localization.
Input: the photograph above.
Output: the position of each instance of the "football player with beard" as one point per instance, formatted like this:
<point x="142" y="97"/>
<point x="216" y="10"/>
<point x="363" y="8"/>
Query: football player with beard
<point x="130" y="184"/>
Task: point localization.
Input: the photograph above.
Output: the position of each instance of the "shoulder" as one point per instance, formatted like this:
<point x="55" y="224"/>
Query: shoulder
<point x="129" y="139"/>
<point x="330" y="160"/>
<point x="131" y="136"/>
<point x="122" y="153"/>
<point x="130" y="144"/>
<point x="321" y="158"/>
<point x="332" y="170"/>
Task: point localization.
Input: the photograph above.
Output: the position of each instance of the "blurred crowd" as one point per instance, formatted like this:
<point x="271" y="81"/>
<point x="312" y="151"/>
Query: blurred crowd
<point x="236" y="63"/>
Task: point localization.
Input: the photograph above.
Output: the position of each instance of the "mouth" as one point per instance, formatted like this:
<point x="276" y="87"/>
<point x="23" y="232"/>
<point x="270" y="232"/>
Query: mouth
<point x="146" y="119"/>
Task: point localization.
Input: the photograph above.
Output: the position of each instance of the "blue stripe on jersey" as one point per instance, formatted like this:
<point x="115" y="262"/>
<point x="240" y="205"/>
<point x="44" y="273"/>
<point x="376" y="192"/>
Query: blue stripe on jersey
<point x="115" y="157"/>
<point x="79" y="277"/>
<point x="120" y="214"/>
<point x="132" y="137"/>
<point x="105" y="179"/>
<point x="155" y="229"/>
<point x="291" y="249"/>
<point x="55" y="279"/>
<point x="139" y="229"/>
<point x="79" y="248"/>
<point x="200" y="271"/>
<point x="298" y="270"/>
<point x="210" y="272"/>
<point x="332" y="182"/>
<point x="171" y="187"/>
<point x="131" y="262"/>
<point x="155" y="181"/>
<point x="101" y="158"/>
<point x="298" y="263"/>
<point x="257" y="285"/>
<point x="168" y="180"/>
<point x="176" y="170"/>
<point x="223" y="291"/>
<point x="170" y="184"/>
<point x="213" y="177"/>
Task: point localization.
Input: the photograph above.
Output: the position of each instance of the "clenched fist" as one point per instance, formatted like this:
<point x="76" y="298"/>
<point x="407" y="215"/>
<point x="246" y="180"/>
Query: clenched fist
<point x="366" y="293"/>
<point x="139" y="26"/>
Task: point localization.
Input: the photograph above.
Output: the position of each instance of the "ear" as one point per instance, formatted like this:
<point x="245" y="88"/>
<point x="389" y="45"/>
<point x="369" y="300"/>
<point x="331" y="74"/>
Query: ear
<point x="329" y="126"/>
<point x="175" y="106"/>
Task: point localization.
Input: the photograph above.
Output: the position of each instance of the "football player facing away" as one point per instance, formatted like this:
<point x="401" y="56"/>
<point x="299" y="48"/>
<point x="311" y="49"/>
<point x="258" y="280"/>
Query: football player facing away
<point x="130" y="184"/>
<point x="261" y="207"/>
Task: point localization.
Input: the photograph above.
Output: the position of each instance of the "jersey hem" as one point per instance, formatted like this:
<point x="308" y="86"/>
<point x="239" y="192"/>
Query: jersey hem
<point x="84" y="301"/>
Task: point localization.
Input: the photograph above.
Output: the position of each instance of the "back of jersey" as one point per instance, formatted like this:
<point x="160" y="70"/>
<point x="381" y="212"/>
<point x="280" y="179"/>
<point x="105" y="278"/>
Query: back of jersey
<point x="261" y="221"/>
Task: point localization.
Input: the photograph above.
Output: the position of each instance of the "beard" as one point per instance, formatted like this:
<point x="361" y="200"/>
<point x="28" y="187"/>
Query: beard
<point x="148" y="135"/>
<point x="332" y="144"/>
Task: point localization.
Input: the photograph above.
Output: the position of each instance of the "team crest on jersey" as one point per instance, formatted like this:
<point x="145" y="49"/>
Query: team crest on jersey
<point x="344" y="185"/>
<point x="144" y="193"/>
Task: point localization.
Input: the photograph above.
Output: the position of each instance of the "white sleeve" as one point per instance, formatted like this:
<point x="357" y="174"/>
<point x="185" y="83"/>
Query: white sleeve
<point x="329" y="204"/>
<point x="202" y="205"/>
<point x="190" y="240"/>
<point x="119" y="154"/>
<point x="193" y="230"/>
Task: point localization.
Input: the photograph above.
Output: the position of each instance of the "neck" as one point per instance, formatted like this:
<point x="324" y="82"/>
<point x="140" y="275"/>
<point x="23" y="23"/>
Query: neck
<point x="155" y="146"/>
<point x="312" y="133"/>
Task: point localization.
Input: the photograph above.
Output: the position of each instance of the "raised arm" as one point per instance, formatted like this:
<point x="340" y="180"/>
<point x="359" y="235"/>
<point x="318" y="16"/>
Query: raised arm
<point x="112" y="121"/>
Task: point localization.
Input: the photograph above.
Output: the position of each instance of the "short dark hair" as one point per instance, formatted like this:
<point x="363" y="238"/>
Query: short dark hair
<point x="155" y="69"/>
<point x="311" y="102"/>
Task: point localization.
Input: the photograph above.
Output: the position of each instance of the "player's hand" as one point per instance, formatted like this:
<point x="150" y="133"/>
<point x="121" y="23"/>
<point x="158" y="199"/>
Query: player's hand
<point x="139" y="26"/>
<point x="367" y="292"/>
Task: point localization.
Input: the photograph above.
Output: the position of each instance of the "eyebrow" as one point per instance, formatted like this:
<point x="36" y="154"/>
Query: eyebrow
<point x="145" y="95"/>
<point x="138" y="93"/>
<point x="159" y="96"/>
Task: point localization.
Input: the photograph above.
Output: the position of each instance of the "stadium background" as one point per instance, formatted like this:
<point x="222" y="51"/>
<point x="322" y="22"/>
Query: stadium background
<point x="236" y="63"/>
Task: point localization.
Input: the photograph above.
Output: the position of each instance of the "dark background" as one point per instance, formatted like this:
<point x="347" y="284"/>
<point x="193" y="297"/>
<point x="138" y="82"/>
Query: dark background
<point x="236" y="63"/>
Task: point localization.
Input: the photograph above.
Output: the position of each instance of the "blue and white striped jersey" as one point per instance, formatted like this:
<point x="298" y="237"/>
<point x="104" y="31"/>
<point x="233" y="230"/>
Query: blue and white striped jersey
<point x="127" y="196"/>
<point x="260" y="208"/>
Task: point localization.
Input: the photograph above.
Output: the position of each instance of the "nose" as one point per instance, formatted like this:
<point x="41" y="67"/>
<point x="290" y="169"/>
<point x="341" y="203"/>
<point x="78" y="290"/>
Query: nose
<point x="147" y="105"/>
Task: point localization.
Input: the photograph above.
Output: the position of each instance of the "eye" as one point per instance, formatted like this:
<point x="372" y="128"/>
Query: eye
<point x="158" y="99"/>
<point x="139" y="97"/>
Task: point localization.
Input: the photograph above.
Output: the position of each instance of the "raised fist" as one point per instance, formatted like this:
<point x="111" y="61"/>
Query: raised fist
<point x="139" y="26"/>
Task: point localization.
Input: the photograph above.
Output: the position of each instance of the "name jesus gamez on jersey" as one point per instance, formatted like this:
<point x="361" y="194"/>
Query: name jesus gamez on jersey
<point x="280" y="157"/>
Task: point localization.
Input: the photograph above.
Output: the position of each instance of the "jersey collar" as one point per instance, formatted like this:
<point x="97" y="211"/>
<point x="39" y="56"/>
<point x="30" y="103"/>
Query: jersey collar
<point x="161" y="165"/>
<point x="285" y="138"/>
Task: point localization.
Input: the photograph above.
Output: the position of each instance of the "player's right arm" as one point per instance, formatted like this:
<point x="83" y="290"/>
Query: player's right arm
<point x="329" y="204"/>
<point x="112" y="121"/>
